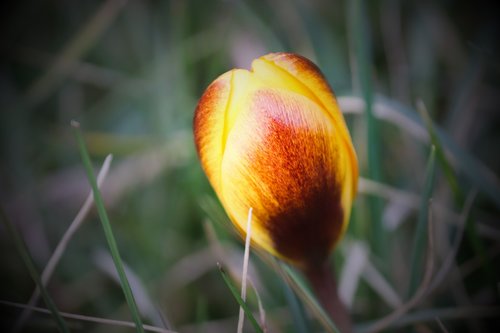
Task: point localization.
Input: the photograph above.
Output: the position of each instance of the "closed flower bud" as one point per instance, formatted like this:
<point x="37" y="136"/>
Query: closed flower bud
<point x="273" y="138"/>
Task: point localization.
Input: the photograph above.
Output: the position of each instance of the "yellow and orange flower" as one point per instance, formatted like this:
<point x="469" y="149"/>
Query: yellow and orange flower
<point x="273" y="138"/>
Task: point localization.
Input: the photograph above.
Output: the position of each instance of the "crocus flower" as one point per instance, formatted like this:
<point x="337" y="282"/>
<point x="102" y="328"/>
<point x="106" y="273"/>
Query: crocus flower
<point x="273" y="138"/>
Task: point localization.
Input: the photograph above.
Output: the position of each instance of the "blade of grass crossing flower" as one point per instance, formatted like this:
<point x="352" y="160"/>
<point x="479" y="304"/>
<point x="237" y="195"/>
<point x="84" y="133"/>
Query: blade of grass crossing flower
<point x="422" y="223"/>
<point x="245" y="270"/>
<point x="238" y="298"/>
<point x="108" y="232"/>
<point x="30" y="265"/>
<point x="221" y="255"/>
<point x="297" y="310"/>
<point x="307" y="296"/>
<point x="361" y="51"/>
<point x="458" y="195"/>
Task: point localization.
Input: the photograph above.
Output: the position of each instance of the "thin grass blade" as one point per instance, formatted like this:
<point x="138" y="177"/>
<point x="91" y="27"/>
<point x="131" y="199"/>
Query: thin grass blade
<point x="245" y="270"/>
<point x="30" y="265"/>
<point x="361" y="52"/>
<point x="296" y="308"/>
<point x="452" y="313"/>
<point x="423" y="289"/>
<point x="240" y="301"/>
<point x="108" y="232"/>
<point x="459" y="197"/>
<point x="90" y="319"/>
<point x="408" y="120"/>
<point x="422" y="223"/>
<point x="307" y="296"/>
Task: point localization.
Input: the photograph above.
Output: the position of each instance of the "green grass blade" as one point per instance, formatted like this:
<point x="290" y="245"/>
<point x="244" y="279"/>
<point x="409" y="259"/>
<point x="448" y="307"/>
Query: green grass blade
<point x="30" y="265"/>
<point x="475" y="172"/>
<point x="249" y="16"/>
<point x="240" y="301"/>
<point x="326" y="46"/>
<point x="107" y="228"/>
<point x="361" y="51"/>
<point x="297" y="310"/>
<point x="422" y="223"/>
<point x="440" y="155"/>
<point x="307" y="296"/>
<point x="459" y="197"/>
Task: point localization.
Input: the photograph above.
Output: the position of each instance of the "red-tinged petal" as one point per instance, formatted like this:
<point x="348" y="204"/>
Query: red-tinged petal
<point x="314" y="84"/>
<point x="208" y="127"/>
<point x="282" y="158"/>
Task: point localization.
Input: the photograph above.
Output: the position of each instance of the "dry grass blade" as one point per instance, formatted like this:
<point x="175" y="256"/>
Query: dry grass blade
<point x="237" y="297"/>
<point x="88" y="318"/>
<point x="220" y="253"/>
<point x="63" y="243"/>
<point x="406" y="198"/>
<point x="412" y="200"/>
<point x="81" y="71"/>
<point x="477" y="173"/>
<point x="356" y="257"/>
<point x="441" y="325"/>
<point x="450" y="259"/>
<point x="453" y="313"/>
<point x="147" y="308"/>
<point x="422" y="290"/>
<point x="245" y="270"/>
<point x="190" y="268"/>
<point x="62" y="65"/>
<point x="262" y="312"/>
<point x="380" y="285"/>
<point x="356" y="105"/>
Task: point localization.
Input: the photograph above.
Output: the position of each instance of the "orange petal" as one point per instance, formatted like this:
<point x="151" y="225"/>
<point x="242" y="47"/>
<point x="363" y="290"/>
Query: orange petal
<point x="208" y="127"/>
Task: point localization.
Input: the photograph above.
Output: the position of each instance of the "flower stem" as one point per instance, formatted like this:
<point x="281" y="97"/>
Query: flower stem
<point x="324" y="284"/>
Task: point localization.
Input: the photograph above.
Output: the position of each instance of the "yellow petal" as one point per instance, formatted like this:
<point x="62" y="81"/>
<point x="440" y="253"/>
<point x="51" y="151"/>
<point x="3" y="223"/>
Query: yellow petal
<point x="274" y="139"/>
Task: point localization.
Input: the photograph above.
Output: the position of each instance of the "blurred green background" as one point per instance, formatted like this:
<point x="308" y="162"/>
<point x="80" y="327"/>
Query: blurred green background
<point x="131" y="73"/>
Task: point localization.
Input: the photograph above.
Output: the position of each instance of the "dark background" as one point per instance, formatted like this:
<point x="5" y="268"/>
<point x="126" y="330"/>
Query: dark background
<point x="131" y="73"/>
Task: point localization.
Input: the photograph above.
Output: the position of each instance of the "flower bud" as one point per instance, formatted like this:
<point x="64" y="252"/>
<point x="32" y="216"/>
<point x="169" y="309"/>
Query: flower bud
<point x="273" y="138"/>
